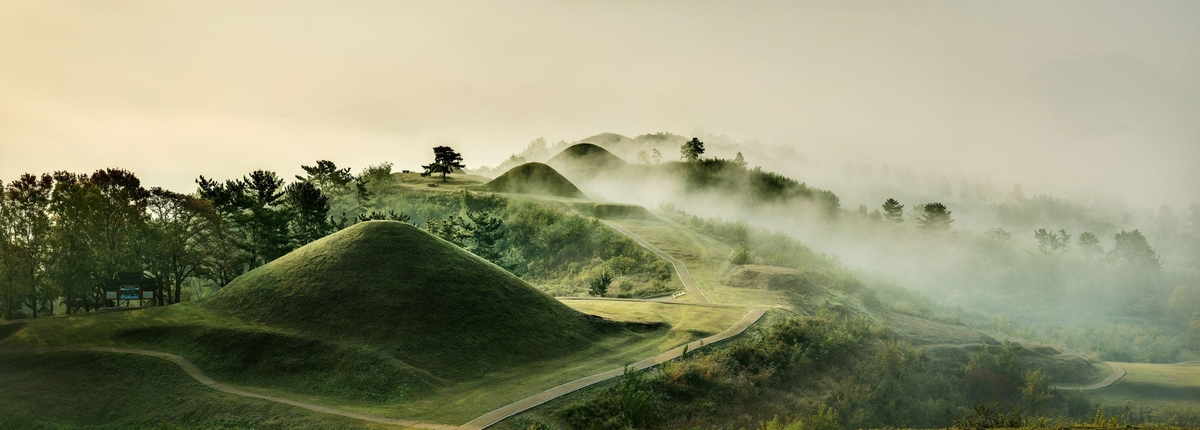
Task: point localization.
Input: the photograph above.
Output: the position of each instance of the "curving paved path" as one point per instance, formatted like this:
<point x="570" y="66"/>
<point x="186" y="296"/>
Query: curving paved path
<point x="489" y="418"/>
<point x="684" y="275"/>
<point x="1118" y="373"/>
<point x="498" y="415"/>
<point x="202" y="378"/>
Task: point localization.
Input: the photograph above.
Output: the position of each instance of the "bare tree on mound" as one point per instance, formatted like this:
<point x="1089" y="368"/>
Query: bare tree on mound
<point x="445" y="160"/>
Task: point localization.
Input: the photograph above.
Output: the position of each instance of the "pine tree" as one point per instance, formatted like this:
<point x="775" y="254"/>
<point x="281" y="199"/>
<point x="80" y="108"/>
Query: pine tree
<point x="692" y="150"/>
<point x="445" y="161"/>
<point x="1133" y="249"/>
<point x="739" y="159"/>
<point x="935" y="218"/>
<point x="309" y="210"/>
<point x="1090" y="245"/>
<point x="893" y="211"/>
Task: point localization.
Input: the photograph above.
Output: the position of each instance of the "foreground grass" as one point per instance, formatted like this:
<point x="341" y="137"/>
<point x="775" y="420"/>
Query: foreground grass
<point x="100" y="390"/>
<point x="1154" y="385"/>
<point x="453" y="402"/>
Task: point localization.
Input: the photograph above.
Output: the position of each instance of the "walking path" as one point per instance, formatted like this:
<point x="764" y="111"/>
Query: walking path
<point x="202" y="378"/>
<point x="684" y="275"/>
<point x="1118" y="373"/>
<point x="489" y="418"/>
<point x="497" y="415"/>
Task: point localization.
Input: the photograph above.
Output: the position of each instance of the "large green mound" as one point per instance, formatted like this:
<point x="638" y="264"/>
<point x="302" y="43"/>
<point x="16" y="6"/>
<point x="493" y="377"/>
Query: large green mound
<point x="399" y="289"/>
<point x="586" y="155"/>
<point x="534" y="178"/>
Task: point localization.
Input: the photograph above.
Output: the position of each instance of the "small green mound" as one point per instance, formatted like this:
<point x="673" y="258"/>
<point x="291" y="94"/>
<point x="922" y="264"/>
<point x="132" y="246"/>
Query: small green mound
<point x="614" y="210"/>
<point x="534" y="178"/>
<point x="586" y="156"/>
<point x="769" y="278"/>
<point x="394" y="287"/>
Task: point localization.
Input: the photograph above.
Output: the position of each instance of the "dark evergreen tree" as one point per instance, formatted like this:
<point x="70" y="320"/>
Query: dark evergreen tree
<point x="691" y="150"/>
<point x="935" y="218"/>
<point x="382" y="216"/>
<point x="445" y="161"/>
<point x="1133" y="250"/>
<point x="266" y="218"/>
<point x="1090" y="245"/>
<point x="893" y="211"/>
<point x="486" y="233"/>
<point x="309" y="210"/>
<point x="328" y="177"/>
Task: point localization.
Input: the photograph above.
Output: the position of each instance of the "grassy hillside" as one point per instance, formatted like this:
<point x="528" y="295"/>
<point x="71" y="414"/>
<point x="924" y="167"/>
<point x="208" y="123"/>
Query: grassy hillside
<point x="429" y="303"/>
<point x="534" y="178"/>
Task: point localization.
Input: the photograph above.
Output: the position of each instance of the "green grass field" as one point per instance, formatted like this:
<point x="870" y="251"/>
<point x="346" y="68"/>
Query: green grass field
<point x="69" y="390"/>
<point x="476" y="338"/>
<point x="1154" y="385"/>
<point x="452" y="402"/>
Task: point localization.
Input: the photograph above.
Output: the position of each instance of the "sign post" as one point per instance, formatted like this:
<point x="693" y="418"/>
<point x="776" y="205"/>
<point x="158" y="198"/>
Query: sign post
<point x="130" y="286"/>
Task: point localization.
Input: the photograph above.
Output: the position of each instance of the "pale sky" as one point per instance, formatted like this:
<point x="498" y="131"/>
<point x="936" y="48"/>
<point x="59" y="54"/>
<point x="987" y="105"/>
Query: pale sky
<point x="175" y="89"/>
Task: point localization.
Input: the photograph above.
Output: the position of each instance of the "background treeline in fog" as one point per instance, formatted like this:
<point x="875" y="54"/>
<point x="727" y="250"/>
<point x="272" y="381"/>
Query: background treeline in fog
<point x="1089" y="273"/>
<point x="62" y="234"/>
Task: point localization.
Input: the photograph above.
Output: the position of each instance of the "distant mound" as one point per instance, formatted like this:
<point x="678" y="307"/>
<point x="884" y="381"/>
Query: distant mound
<point x="534" y="178"/>
<point x="768" y="278"/>
<point x="614" y="210"/>
<point x="425" y="301"/>
<point x="607" y="138"/>
<point x="586" y="155"/>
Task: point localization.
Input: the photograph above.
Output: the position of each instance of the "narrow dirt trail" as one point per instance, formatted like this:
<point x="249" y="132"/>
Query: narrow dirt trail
<point x="197" y="374"/>
<point x="684" y="275"/>
<point x="1118" y="373"/>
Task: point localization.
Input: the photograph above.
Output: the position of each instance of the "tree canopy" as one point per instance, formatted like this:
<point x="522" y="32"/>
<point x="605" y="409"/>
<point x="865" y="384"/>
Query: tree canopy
<point x="445" y="161"/>
<point x="893" y="211"/>
<point x="691" y="150"/>
<point x="934" y="218"/>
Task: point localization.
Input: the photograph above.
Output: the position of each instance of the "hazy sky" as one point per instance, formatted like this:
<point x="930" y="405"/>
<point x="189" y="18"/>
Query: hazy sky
<point x="175" y="89"/>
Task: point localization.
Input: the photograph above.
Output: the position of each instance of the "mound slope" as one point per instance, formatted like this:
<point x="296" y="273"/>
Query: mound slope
<point x="534" y="178"/>
<point x="586" y="156"/>
<point x="768" y="277"/>
<point x="394" y="287"/>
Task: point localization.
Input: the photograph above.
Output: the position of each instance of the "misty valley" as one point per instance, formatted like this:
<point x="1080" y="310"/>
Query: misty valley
<point x="549" y="292"/>
<point x="601" y="215"/>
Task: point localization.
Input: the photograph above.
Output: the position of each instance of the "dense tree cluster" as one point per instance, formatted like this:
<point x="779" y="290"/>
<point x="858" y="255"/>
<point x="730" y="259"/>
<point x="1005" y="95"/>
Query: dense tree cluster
<point x="63" y="234"/>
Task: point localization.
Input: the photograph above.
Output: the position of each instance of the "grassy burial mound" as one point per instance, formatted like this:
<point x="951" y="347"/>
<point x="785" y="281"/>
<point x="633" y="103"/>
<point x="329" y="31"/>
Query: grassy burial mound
<point x="423" y="300"/>
<point x="586" y="156"/>
<point x="534" y="178"/>
<point x="768" y="278"/>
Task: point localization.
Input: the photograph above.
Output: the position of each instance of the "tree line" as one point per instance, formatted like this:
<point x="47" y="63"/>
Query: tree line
<point x="63" y="234"/>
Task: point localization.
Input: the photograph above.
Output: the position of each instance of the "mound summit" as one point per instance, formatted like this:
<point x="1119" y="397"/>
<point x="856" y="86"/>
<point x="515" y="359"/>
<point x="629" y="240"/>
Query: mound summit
<point x="419" y="298"/>
<point x="586" y="156"/>
<point x="534" y="178"/>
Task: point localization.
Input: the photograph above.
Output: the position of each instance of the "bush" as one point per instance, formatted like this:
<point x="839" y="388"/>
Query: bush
<point x="598" y="285"/>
